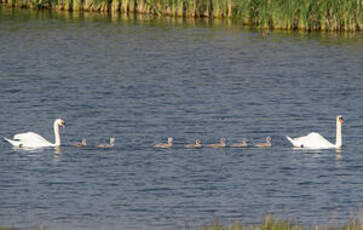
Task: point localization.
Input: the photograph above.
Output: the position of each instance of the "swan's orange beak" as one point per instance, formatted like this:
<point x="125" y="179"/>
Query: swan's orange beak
<point x="63" y="125"/>
<point x="341" y="120"/>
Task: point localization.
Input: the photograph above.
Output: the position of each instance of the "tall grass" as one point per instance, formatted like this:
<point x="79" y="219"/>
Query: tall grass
<point x="271" y="223"/>
<point x="308" y="15"/>
<point x="326" y="15"/>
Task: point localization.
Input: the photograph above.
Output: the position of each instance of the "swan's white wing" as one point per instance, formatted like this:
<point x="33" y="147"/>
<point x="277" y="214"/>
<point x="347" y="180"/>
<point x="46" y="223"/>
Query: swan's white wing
<point x="311" y="141"/>
<point x="14" y="143"/>
<point x="294" y="142"/>
<point x="31" y="139"/>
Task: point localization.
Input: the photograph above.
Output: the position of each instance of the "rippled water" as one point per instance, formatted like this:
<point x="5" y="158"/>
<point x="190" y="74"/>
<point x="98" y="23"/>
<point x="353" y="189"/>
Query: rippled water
<point x="142" y="81"/>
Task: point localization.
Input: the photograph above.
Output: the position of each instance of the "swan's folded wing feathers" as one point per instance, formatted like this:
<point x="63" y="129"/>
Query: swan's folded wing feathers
<point x="293" y="141"/>
<point x="318" y="140"/>
<point x="29" y="138"/>
<point x="312" y="140"/>
<point x="20" y="136"/>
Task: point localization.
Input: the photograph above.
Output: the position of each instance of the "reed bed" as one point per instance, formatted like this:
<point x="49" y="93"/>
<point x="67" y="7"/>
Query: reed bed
<point x="271" y="223"/>
<point x="307" y="15"/>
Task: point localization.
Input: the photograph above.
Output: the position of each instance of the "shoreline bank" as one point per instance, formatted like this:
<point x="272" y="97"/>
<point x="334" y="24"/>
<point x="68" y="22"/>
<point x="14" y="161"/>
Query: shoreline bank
<point x="304" y="15"/>
<point x="269" y="223"/>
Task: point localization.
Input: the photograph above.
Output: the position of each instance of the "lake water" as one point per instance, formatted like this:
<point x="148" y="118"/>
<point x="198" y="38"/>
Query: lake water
<point x="143" y="80"/>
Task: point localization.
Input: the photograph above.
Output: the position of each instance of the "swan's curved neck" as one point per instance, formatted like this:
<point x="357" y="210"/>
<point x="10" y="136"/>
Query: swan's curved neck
<point x="56" y="134"/>
<point x="338" y="141"/>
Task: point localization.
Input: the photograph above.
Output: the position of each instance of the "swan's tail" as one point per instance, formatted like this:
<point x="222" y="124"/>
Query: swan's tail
<point x="14" y="143"/>
<point x="291" y="140"/>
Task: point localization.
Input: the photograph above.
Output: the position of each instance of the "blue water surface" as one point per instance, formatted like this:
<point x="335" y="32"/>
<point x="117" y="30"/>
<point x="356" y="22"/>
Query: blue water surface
<point x="143" y="80"/>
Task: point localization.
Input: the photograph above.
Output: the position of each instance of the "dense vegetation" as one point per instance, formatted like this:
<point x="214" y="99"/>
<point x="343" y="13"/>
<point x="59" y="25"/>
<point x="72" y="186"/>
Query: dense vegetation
<point x="272" y="224"/>
<point x="326" y="15"/>
<point x="269" y="223"/>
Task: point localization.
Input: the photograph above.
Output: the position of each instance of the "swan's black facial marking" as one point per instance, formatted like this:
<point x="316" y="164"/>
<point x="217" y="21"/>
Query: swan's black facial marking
<point x="341" y="119"/>
<point x="301" y="146"/>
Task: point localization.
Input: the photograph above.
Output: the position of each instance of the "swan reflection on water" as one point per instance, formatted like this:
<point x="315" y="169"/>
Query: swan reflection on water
<point x="58" y="150"/>
<point x="58" y="154"/>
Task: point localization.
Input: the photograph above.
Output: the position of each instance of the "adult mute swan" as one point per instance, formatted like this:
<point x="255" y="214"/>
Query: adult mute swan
<point x="316" y="141"/>
<point x="34" y="140"/>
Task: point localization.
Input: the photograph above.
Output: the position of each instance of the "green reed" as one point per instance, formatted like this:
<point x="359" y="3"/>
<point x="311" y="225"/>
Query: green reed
<point x="271" y="223"/>
<point x="307" y="15"/>
<point x="337" y="15"/>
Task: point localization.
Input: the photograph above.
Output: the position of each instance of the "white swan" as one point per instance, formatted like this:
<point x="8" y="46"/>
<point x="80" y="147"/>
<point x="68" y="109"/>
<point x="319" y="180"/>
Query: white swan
<point x="316" y="141"/>
<point x="33" y="140"/>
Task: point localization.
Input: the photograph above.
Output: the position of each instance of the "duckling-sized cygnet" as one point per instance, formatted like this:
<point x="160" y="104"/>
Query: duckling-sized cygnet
<point x="197" y="145"/>
<point x="80" y="144"/>
<point x="222" y="144"/>
<point x="165" y="145"/>
<point x="264" y="145"/>
<point x="243" y="144"/>
<point x="265" y="33"/>
<point x="107" y="146"/>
